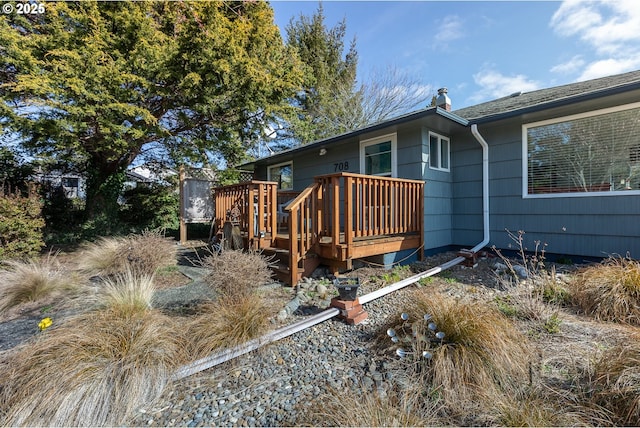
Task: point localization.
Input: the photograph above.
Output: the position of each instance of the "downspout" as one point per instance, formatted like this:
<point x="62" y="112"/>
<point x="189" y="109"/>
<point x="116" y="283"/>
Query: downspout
<point x="485" y="188"/>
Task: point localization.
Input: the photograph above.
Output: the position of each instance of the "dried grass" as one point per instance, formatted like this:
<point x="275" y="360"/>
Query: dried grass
<point x="93" y="370"/>
<point x="31" y="281"/>
<point x="370" y="409"/>
<point x="126" y="293"/>
<point x="237" y="272"/>
<point x="228" y="321"/>
<point x="548" y="407"/>
<point x="482" y="354"/>
<point x="144" y="253"/>
<point x="617" y="382"/>
<point x="610" y="291"/>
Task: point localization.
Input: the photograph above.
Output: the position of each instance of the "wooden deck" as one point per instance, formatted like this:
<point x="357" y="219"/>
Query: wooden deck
<point x="337" y="219"/>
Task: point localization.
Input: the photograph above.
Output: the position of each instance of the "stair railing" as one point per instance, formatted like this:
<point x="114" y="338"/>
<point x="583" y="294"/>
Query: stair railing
<point x="305" y="217"/>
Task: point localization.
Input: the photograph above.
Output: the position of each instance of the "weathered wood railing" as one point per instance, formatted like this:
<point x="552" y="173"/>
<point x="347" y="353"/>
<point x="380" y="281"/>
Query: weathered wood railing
<point x="346" y="206"/>
<point x="252" y="204"/>
<point x="304" y="221"/>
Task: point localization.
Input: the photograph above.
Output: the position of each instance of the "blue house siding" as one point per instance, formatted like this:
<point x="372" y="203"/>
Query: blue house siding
<point x="466" y="160"/>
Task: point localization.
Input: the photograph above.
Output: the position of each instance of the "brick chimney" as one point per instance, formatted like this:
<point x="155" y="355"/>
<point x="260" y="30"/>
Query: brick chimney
<point x="443" y="101"/>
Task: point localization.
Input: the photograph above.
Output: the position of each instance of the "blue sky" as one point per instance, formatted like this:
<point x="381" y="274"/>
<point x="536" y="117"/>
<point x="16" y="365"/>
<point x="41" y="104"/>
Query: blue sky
<point x="483" y="50"/>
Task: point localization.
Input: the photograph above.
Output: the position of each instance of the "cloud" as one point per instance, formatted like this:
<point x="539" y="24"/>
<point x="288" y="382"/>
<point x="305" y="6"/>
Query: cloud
<point x="449" y="28"/>
<point x="494" y="84"/>
<point x="608" y="67"/>
<point x="572" y="66"/>
<point x="611" y="29"/>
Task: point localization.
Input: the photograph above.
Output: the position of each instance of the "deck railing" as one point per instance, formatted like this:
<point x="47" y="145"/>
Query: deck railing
<point x="250" y="205"/>
<point x="346" y="206"/>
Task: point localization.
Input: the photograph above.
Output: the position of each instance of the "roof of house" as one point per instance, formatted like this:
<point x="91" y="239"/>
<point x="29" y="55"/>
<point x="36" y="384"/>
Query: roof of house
<point x="542" y="98"/>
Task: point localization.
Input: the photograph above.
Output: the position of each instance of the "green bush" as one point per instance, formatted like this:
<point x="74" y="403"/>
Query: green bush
<point x="154" y="206"/>
<point x="21" y="225"/>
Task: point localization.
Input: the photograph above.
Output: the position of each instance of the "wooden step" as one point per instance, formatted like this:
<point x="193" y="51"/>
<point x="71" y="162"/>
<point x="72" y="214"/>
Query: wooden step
<point x="279" y="255"/>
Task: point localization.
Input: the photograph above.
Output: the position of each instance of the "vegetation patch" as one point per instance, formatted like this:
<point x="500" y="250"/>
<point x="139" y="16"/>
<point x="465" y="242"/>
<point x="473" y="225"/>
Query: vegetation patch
<point x="144" y="253"/>
<point x="460" y="351"/>
<point x="617" y="382"/>
<point x="93" y="370"/>
<point x="234" y="272"/>
<point x="610" y="291"/>
<point x="32" y="281"/>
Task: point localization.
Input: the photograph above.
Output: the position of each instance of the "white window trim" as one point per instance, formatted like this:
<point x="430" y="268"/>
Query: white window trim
<point x="525" y="155"/>
<point x="278" y="165"/>
<point x="394" y="150"/>
<point x="440" y="138"/>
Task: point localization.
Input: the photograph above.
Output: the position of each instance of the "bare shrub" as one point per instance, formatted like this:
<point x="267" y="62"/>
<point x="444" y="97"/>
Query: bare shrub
<point x="617" y="382"/>
<point x="228" y="321"/>
<point x="31" y="281"/>
<point x="477" y="353"/>
<point x="236" y="272"/>
<point x="143" y="253"/>
<point x="93" y="370"/>
<point x="610" y="291"/>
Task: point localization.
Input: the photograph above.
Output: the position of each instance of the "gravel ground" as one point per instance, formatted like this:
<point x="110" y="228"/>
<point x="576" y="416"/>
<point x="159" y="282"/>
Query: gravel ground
<point x="270" y="386"/>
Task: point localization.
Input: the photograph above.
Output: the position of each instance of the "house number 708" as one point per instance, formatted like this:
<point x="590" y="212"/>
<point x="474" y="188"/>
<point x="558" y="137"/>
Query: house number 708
<point x="341" y="166"/>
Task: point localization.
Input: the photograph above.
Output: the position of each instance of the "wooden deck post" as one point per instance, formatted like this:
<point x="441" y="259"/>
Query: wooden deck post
<point x="335" y="227"/>
<point x="183" y="224"/>
<point x="348" y="215"/>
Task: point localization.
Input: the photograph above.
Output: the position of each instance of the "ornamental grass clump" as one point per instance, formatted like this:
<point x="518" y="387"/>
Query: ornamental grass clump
<point x="32" y="281"/>
<point x="236" y="272"/>
<point x="610" y="291"/>
<point x="463" y="351"/>
<point x="544" y="406"/>
<point x="617" y="382"/>
<point x="94" y="369"/>
<point x="230" y="320"/>
<point x="370" y="409"/>
<point x="126" y="293"/>
<point x="144" y="253"/>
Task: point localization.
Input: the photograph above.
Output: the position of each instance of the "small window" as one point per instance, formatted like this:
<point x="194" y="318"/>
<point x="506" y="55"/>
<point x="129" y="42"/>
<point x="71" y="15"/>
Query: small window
<point x="378" y="156"/>
<point x="281" y="174"/>
<point x="438" y="152"/>
<point x="69" y="182"/>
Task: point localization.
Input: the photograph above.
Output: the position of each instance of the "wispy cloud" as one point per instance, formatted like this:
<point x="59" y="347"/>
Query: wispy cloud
<point x="449" y="28"/>
<point x="572" y="66"/>
<point x="494" y="84"/>
<point x="610" y="28"/>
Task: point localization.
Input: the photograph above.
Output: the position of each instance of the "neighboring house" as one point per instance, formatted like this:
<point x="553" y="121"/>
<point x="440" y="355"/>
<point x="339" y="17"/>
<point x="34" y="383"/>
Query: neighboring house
<point x="561" y="164"/>
<point x="74" y="185"/>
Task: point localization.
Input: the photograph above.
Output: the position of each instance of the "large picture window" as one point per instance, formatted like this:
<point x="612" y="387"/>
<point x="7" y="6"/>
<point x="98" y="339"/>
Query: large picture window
<point x="281" y="174"/>
<point x="378" y="156"/>
<point x="583" y="154"/>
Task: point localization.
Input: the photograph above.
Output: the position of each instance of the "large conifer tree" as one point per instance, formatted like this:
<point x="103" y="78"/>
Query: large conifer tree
<point x="98" y="83"/>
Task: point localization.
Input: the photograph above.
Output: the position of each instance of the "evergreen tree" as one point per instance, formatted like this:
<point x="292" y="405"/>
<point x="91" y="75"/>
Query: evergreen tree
<point x="99" y="83"/>
<point x="329" y="101"/>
